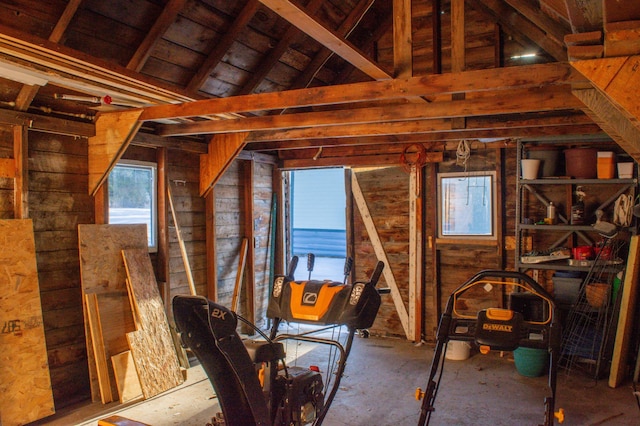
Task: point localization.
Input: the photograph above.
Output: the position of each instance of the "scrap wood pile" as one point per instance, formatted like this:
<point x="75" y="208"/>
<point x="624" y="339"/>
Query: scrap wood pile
<point x="620" y="35"/>
<point x="130" y="349"/>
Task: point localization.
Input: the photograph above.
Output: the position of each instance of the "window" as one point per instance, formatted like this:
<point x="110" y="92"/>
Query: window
<point x="467" y="205"/>
<point x="132" y="196"/>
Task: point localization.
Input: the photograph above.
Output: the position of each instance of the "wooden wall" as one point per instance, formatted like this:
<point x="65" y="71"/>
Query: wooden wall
<point x="58" y="202"/>
<point x="386" y="192"/>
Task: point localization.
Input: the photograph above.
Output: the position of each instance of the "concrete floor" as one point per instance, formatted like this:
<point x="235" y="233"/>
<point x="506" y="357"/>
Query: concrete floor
<point x="378" y="389"/>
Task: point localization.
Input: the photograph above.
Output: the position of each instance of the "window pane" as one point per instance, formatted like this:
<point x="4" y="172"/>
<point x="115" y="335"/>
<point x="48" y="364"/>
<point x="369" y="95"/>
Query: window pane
<point x="132" y="190"/>
<point x="466" y="206"/>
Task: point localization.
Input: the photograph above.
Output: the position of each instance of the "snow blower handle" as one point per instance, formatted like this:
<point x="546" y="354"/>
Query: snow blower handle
<point x="348" y="265"/>
<point x="375" y="276"/>
<point x="311" y="260"/>
<point x="293" y="264"/>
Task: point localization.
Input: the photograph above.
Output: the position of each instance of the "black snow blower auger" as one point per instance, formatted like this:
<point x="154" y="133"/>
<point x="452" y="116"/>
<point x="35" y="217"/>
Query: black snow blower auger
<point x="253" y="383"/>
<point x="497" y="329"/>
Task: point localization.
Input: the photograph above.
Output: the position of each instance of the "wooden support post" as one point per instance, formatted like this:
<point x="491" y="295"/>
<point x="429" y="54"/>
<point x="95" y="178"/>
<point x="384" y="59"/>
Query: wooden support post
<point x="249" y="229"/>
<point x="212" y="256"/>
<point x="415" y="252"/>
<point x="162" y="271"/>
<point x="21" y="180"/>
<point x="626" y="316"/>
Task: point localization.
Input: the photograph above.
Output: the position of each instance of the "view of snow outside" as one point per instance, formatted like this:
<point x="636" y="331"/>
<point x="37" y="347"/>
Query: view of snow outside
<point x="131" y="196"/>
<point x="319" y="222"/>
<point x="466" y="203"/>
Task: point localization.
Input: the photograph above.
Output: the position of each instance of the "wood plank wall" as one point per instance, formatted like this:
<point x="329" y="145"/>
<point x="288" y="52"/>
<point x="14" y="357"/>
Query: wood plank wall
<point x="386" y="191"/>
<point x="230" y="230"/>
<point x="58" y="202"/>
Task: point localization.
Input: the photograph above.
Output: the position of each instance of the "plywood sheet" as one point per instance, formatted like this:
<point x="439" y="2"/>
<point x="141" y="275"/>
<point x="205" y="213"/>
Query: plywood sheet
<point x="151" y="345"/>
<point x="99" y="353"/>
<point x="126" y="377"/>
<point x="102" y="271"/>
<point x="25" y="383"/>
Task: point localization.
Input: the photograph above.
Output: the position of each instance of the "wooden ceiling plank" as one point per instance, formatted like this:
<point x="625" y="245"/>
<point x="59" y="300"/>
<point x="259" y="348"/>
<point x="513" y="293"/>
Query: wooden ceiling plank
<point x="114" y="132"/>
<point x="620" y="128"/>
<point x="267" y="63"/>
<point x="341" y="47"/>
<point x="584" y="15"/>
<point x="159" y="27"/>
<point x="543" y="21"/>
<point x="505" y="102"/>
<point x="429" y="85"/>
<point x="517" y="24"/>
<point x="402" y="39"/>
<point x="223" y="45"/>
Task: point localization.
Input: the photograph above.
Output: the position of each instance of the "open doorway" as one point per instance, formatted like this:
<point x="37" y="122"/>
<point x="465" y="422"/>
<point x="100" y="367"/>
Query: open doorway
<point x="318" y="222"/>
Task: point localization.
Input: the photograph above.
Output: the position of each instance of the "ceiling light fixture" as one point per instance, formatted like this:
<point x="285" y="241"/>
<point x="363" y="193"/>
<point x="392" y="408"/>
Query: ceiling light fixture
<point x="524" y="56"/>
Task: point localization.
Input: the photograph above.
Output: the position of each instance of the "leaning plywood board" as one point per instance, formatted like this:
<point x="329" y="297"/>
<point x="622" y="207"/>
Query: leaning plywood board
<point x="151" y="345"/>
<point x="626" y="316"/>
<point x="25" y="384"/>
<point x="102" y="271"/>
<point x="99" y="353"/>
<point x="110" y="319"/>
<point x="126" y="377"/>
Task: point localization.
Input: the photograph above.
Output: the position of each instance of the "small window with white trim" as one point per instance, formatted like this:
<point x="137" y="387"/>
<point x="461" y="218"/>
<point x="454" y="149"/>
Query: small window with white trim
<point x="467" y="205"/>
<point x="133" y="196"/>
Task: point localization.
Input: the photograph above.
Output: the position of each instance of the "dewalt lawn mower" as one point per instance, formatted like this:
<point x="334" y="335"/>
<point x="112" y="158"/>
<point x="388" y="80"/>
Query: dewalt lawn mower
<point x="253" y="384"/>
<point x="498" y="329"/>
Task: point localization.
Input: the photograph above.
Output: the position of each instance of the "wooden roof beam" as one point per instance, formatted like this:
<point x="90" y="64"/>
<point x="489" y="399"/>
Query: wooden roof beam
<point x="502" y="102"/>
<point x="429" y="85"/>
<point x="414" y="131"/>
<point x="159" y="27"/>
<point x="584" y="15"/>
<point x="223" y="45"/>
<point x="551" y="27"/>
<point x="612" y="121"/>
<point x="518" y="24"/>
<point x="341" y="47"/>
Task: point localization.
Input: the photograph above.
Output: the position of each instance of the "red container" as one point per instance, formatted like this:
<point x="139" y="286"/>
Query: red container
<point x="582" y="252"/>
<point x="605" y="252"/>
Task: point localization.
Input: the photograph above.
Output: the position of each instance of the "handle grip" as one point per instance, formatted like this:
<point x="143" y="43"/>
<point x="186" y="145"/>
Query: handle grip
<point x="293" y="264"/>
<point x="375" y="276"/>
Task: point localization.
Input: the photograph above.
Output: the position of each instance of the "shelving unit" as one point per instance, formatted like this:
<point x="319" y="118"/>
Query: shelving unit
<point x="587" y="336"/>
<point x="563" y="233"/>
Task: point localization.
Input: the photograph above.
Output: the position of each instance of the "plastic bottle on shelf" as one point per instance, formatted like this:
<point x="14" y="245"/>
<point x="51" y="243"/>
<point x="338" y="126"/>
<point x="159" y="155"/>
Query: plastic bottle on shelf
<point x="551" y="213"/>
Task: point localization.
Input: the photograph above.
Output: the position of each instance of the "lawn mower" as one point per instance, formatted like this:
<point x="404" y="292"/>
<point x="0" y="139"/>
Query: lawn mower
<point x="253" y="383"/>
<point x="498" y="329"/>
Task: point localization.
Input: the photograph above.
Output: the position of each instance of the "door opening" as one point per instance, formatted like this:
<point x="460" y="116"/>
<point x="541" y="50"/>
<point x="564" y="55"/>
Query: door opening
<point x="318" y="222"/>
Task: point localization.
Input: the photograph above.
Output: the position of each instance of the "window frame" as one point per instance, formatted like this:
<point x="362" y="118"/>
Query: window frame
<point x="492" y="175"/>
<point x="153" y="248"/>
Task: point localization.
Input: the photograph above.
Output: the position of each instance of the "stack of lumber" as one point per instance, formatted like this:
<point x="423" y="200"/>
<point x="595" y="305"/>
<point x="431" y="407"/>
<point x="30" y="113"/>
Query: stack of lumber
<point x="25" y="383"/>
<point x="130" y="351"/>
<point x="621" y="21"/>
<point x="584" y="45"/>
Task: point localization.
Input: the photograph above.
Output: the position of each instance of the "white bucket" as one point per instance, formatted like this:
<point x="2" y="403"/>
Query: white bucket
<point x="530" y="167"/>
<point x="457" y="350"/>
<point x="625" y="170"/>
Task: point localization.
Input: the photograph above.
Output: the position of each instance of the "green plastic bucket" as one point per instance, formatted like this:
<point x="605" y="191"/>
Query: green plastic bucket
<point x="530" y="362"/>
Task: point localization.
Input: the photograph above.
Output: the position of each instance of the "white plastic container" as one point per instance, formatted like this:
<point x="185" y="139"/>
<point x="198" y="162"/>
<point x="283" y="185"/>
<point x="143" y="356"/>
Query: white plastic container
<point x="530" y="167"/>
<point x="625" y="170"/>
<point x="457" y="350"/>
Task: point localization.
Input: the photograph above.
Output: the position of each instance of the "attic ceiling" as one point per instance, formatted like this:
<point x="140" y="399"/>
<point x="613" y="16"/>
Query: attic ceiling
<point x="74" y="59"/>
